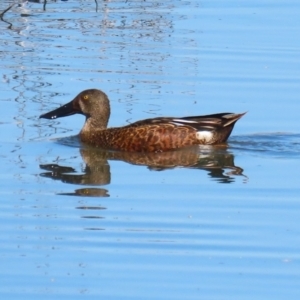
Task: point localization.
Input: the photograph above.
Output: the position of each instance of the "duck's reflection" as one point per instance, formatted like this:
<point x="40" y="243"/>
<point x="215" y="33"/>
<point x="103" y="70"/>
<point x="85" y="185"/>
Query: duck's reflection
<point x="217" y="161"/>
<point x="88" y="192"/>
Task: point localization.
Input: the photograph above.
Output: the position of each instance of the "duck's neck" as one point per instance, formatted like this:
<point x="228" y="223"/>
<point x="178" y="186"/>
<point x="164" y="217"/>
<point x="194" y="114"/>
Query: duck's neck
<point x="92" y="124"/>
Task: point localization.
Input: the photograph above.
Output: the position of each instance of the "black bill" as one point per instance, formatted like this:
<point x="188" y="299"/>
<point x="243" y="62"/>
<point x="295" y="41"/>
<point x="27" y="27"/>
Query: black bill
<point x="63" y="111"/>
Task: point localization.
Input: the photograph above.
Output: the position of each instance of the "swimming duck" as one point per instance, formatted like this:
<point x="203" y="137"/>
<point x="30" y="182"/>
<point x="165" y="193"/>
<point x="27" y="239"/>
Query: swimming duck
<point x="149" y="135"/>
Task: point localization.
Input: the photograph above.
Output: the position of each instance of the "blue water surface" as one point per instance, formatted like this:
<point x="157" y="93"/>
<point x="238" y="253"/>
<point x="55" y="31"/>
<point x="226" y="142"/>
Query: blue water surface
<point x="203" y="223"/>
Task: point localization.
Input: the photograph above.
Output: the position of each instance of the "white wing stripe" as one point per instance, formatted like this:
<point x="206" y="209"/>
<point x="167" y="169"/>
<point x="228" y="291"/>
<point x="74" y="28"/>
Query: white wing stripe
<point x="183" y="121"/>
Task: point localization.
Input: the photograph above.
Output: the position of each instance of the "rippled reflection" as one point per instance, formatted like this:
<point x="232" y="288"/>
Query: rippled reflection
<point x="2" y="13"/>
<point x="216" y="161"/>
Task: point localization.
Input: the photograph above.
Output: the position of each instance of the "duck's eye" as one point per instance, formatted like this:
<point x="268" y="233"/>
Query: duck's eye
<point x="85" y="97"/>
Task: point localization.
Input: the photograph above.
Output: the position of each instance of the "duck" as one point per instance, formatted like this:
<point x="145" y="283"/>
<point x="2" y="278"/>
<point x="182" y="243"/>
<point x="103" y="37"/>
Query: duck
<point x="149" y="135"/>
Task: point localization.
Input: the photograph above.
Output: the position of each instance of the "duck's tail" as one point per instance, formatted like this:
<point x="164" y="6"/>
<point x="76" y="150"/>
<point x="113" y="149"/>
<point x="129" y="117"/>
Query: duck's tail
<point x="232" y="118"/>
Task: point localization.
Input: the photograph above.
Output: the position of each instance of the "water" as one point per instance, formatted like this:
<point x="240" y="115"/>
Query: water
<point x="202" y="223"/>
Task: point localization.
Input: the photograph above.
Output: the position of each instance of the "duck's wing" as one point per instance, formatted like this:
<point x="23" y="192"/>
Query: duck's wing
<point x="207" y="122"/>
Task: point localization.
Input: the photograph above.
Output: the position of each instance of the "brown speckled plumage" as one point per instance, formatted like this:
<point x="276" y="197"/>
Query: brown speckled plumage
<point x="150" y="135"/>
<point x="144" y="138"/>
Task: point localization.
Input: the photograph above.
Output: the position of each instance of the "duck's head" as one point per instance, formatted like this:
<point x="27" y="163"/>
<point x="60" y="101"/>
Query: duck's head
<point x="93" y="104"/>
